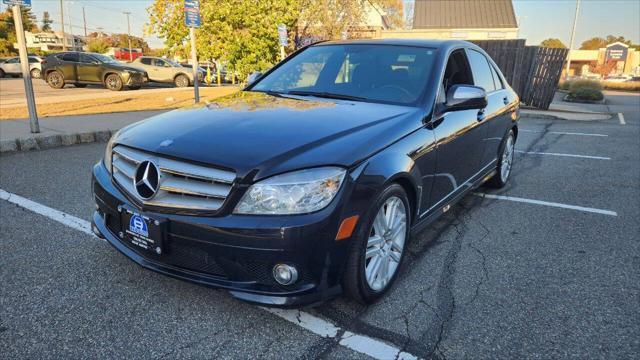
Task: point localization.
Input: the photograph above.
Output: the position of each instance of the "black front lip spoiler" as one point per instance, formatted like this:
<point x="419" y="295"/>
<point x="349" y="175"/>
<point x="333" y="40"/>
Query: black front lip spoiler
<point x="316" y="297"/>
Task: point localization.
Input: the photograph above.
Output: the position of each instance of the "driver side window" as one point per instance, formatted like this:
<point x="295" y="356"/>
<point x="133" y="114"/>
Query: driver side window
<point x="457" y="72"/>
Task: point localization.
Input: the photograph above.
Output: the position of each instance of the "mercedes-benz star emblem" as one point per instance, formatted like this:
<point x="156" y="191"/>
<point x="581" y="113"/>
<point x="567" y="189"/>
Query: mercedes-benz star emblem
<point x="147" y="180"/>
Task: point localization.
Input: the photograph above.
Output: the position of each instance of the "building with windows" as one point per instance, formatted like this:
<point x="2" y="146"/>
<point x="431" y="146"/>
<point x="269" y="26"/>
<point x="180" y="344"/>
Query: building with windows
<point x="461" y="19"/>
<point x="52" y="41"/>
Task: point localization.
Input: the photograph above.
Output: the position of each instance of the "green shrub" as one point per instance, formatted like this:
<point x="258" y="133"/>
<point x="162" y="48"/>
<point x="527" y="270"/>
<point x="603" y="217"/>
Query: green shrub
<point x="564" y="85"/>
<point x="584" y="84"/>
<point x="586" y="94"/>
<point x="624" y="86"/>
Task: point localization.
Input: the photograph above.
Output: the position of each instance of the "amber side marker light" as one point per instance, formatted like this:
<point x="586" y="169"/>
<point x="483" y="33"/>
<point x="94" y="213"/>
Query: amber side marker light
<point x="347" y="227"/>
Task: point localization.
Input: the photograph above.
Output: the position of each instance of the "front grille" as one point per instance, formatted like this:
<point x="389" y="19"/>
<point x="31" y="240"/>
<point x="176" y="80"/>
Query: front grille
<point x="182" y="185"/>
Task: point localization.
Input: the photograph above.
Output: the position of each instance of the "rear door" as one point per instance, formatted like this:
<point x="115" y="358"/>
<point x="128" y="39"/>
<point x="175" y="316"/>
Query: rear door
<point x="89" y="69"/>
<point x="67" y="65"/>
<point x="493" y="114"/>
<point x="164" y="70"/>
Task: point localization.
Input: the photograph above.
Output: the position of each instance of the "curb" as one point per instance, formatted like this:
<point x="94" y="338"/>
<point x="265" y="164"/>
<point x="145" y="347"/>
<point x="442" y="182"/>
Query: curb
<point x="53" y="141"/>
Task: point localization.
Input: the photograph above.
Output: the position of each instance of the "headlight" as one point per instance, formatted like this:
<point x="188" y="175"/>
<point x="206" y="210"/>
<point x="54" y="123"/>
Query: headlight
<point x="108" y="152"/>
<point x="296" y="192"/>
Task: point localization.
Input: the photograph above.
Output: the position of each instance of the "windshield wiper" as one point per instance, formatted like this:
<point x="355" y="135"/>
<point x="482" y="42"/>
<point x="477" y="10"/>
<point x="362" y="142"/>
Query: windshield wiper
<point x="327" y="95"/>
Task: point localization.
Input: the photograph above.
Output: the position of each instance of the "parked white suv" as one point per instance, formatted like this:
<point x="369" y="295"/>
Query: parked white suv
<point x="12" y="67"/>
<point x="166" y="71"/>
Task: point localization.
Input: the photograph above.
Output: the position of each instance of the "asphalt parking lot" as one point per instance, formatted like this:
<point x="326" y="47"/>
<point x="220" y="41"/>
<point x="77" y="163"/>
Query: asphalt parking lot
<point x="547" y="267"/>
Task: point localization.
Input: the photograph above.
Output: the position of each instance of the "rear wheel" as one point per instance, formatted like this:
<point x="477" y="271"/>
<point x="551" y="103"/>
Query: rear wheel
<point x="378" y="251"/>
<point x="35" y="73"/>
<point x="55" y="80"/>
<point x="505" y="162"/>
<point x="181" y="81"/>
<point x="113" y="82"/>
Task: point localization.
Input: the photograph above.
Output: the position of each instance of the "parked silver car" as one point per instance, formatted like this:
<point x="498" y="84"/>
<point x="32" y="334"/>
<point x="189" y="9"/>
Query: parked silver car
<point x="12" y="67"/>
<point x="166" y="71"/>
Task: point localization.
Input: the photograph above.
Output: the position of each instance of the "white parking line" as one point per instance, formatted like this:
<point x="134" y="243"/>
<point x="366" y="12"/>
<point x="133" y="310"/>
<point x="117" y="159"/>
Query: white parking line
<point x="547" y="203"/>
<point x="375" y="348"/>
<point x="53" y="214"/>
<point x="621" y="118"/>
<point x="562" y="154"/>
<point x="562" y="133"/>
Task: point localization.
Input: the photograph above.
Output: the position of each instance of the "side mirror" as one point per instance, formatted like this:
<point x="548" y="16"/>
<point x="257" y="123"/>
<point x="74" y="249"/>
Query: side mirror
<point x="466" y="97"/>
<point x="253" y="77"/>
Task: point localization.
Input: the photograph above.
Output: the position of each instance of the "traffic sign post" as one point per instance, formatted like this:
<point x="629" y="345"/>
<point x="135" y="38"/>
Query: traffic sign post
<point x="24" y="61"/>
<point x="192" y="20"/>
<point x="283" y="39"/>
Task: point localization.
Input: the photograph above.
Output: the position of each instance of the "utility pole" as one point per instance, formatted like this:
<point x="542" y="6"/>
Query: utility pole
<point x="129" y="35"/>
<point x="26" y="74"/>
<point x="64" y="38"/>
<point x="573" y="33"/>
<point x="73" y="39"/>
<point x="84" y="19"/>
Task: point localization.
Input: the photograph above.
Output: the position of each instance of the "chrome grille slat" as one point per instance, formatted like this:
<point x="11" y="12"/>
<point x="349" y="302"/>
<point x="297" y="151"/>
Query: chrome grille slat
<point x="182" y="185"/>
<point x="176" y="184"/>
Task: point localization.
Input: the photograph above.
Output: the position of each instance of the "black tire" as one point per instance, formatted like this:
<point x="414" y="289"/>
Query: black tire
<point x="136" y="87"/>
<point x="36" y="73"/>
<point x="113" y="82"/>
<point x="55" y="79"/>
<point x="181" y="81"/>
<point x="2" y="74"/>
<point x="80" y="85"/>
<point x="354" y="280"/>
<point x="499" y="180"/>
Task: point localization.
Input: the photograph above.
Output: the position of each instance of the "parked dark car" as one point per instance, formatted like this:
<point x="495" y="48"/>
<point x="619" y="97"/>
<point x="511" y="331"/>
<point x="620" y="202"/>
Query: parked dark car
<point x="80" y="69"/>
<point x="310" y="182"/>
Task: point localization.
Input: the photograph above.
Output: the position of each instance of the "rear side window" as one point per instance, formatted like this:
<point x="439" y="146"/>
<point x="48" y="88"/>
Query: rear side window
<point x="70" y="57"/>
<point x="33" y="60"/>
<point x="481" y="71"/>
<point x="497" y="80"/>
<point x="146" y="61"/>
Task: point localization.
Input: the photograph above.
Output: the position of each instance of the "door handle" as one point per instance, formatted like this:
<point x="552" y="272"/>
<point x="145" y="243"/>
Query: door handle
<point x="505" y="100"/>
<point x="481" y="115"/>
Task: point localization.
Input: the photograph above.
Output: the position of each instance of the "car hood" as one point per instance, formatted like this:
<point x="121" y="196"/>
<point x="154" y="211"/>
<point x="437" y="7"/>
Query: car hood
<point x="260" y="135"/>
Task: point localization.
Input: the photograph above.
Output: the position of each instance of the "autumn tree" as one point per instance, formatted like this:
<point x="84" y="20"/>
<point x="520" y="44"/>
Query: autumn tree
<point x="553" y="43"/>
<point x="596" y="43"/>
<point x="603" y="69"/>
<point x="8" y="29"/>
<point x="98" y="45"/>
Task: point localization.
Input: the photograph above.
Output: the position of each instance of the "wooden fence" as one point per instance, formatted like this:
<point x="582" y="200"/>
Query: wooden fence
<point x="532" y="71"/>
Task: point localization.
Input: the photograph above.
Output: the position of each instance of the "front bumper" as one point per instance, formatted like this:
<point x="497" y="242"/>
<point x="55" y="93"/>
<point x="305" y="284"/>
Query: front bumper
<point x="234" y="252"/>
<point x="136" y="79"/>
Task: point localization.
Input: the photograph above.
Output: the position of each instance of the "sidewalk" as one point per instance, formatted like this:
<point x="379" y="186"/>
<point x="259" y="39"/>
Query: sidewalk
<point x="15" y="135"/>
<point x="560" y="109"/>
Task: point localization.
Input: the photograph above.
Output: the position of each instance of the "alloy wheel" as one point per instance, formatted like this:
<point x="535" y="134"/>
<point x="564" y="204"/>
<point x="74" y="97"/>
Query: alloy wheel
<point x="507" y="159"/>
<point x="385" y="243"/>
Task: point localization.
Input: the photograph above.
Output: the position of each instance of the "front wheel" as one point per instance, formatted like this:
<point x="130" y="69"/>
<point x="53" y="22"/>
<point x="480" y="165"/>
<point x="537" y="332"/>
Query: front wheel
<point x="505" y="162"/>
<point x="181" y="81"/>
<point x="379" y="247"/>
<point x="113" y="82"/>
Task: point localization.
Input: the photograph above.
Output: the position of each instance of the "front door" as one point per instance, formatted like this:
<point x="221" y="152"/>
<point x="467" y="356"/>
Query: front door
<point x="459" y="138"/>
<point x="89" y="69"/>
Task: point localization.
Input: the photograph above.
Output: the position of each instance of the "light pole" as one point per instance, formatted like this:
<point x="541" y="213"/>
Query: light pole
<point x="573" y="33"/>
<point x="129" y="35"/>
<point x="64" y="40"/>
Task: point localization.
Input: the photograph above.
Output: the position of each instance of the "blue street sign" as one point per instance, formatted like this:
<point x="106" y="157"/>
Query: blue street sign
<point x="282" y="35"/>
<point x="191" y="13"/>
<point x="26" y="3"/>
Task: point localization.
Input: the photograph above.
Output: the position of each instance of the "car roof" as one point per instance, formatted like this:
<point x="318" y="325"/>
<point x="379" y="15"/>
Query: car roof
<point x="437" y="44"/>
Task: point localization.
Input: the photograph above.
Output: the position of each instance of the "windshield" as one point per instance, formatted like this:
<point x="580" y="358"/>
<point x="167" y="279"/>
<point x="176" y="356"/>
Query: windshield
<point x="377" y="73"/>
<point x="104" y="59"/>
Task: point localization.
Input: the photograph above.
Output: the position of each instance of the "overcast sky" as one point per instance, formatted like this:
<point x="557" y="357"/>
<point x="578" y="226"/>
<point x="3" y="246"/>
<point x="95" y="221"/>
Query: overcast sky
<point x="539" y="19"/>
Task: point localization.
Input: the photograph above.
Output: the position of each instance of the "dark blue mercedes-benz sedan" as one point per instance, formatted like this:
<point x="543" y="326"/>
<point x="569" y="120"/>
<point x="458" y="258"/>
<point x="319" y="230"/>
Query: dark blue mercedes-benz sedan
<point x="310" y="181"/>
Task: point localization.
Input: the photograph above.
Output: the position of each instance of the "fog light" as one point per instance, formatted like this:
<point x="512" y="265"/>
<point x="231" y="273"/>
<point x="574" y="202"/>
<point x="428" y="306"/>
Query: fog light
<point x="285" y="274"/>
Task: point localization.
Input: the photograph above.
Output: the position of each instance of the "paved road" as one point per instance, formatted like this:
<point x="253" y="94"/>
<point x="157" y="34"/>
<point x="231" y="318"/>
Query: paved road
<point x="12" y="92"/>
<point x="494" y="278"/>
